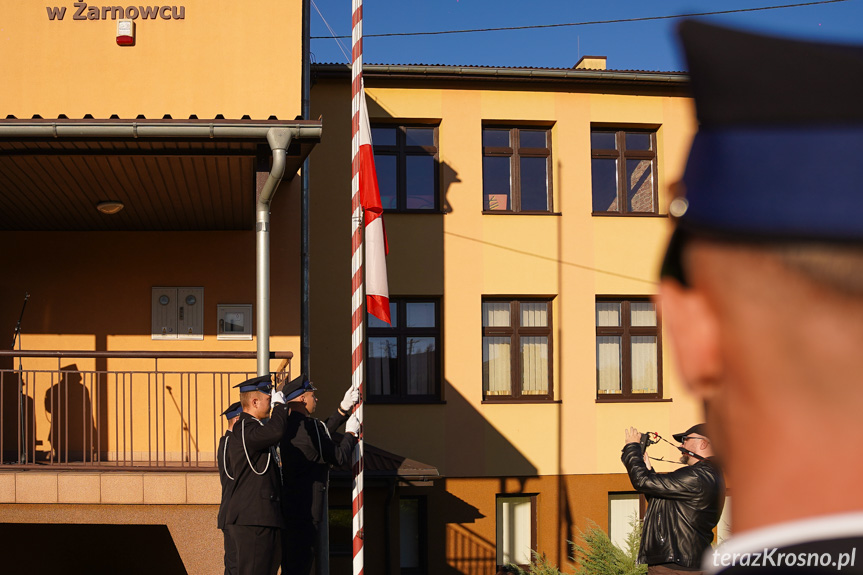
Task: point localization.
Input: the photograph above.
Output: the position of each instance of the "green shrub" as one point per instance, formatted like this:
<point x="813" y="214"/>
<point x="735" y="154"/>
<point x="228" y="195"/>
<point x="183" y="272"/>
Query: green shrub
<point x="599" y="556"/>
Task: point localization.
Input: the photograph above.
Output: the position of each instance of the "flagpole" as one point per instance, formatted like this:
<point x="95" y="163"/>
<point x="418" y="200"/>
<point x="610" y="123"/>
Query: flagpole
<point x="358" y="297"/>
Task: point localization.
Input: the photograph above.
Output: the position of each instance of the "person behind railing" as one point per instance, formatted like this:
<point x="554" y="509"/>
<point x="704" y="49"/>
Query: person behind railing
<point x="252" y="516"/>
<point x="15" y="406"/>
<point x="308" y="452"/>
<point x="73" y="433"/>
<point x="232" y="414"/>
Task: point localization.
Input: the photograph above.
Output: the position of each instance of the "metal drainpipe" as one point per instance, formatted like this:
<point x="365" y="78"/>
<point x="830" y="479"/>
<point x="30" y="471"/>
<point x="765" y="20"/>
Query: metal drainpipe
<point x="279" y="139"/>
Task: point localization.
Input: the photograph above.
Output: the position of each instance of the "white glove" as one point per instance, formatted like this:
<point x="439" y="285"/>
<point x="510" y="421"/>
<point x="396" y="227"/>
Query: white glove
<point x="352" y="396"/>
<point x="277" y="397"/>
<point x="353" y="425"/>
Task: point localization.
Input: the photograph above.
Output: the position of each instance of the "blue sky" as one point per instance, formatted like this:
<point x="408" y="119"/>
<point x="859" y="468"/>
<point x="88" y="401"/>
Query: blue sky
<point x="647" y="45"/>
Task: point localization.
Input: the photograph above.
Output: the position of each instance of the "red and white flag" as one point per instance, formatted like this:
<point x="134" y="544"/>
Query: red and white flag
<point x="377" y="290"/>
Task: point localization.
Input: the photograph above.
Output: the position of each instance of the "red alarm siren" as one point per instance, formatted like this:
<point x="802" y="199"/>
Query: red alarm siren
<point x="125" y="32"/>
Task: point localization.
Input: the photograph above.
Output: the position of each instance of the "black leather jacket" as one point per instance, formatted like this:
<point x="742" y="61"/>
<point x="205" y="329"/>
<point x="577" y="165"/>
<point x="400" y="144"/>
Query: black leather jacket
<point x="683" y="507"/>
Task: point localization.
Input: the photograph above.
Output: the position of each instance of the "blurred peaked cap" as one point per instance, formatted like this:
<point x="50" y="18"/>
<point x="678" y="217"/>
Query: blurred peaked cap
<point x="297" y="387"/>
<point x="740" y="77"/>
<point x="698" y="429"/>
<point x="777" y="153"/>
<point x="262" y="383"/>
<point x="233" y="411"/>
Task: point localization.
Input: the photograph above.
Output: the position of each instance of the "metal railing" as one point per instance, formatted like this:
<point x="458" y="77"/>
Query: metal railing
<point x="122" y="409"/>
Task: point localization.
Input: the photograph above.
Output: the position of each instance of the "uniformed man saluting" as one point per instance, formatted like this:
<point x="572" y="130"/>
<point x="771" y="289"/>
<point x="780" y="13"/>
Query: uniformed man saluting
<point x="308" y="455"/>
<point x="231" y="414"/>
<point x="253" y="516"/>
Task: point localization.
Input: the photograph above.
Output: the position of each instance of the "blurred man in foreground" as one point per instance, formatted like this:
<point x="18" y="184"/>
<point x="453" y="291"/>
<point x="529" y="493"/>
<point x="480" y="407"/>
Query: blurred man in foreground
<point x="762" y="292"/>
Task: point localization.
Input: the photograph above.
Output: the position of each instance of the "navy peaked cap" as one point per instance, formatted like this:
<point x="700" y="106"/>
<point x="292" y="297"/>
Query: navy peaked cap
<point x="297" y="387"/>
<point x="777" y="153"/>
<point x="233" y="411"/>
<point x="262" y="383"/>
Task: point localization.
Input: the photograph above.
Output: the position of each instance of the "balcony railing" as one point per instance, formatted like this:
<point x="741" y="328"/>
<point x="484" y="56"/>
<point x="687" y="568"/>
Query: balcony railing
<point x="133" y="409"/>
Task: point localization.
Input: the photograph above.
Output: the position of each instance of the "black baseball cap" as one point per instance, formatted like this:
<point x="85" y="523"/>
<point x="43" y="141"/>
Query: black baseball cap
<point x="698" y="429"/>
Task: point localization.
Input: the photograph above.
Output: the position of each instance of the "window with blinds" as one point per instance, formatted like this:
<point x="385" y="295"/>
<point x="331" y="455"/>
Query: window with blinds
<point x="516" y="349"/>
<point x="628" y="349"/>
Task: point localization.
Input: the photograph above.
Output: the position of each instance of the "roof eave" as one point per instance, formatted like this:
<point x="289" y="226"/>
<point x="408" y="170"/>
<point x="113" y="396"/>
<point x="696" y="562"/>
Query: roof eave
<point x="418" y="72"/>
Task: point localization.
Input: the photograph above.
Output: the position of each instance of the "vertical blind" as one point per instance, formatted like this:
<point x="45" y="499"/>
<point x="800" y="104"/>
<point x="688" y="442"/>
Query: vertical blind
<point x="643" y="349"/>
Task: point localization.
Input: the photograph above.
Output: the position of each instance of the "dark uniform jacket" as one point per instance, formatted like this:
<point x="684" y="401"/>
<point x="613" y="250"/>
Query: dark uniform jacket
<point x="254" y="499"/>
<point x="223" y="477"/>
<point x="683" y="507"/>
<point x="307" y="456"/>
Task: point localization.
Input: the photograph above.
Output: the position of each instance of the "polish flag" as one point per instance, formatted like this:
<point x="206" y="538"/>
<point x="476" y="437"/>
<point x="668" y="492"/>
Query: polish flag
<point x="377" y="290"/>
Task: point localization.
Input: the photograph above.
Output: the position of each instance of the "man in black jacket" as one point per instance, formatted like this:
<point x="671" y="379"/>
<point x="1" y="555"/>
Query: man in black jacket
<point x="231" y="414"/>
<point x="683" y="506"/>
<point x="252" y="516"/>
<point x="308" y="451"/>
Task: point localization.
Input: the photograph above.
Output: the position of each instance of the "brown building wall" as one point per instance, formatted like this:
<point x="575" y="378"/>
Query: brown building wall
<point x="191" y="534"/>
<point x="462" y="517"/>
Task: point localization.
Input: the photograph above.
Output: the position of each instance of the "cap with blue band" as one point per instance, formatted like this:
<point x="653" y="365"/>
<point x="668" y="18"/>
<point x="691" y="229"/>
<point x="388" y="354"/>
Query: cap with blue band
<point x="778" y="153"/>
<point x="262" y="383"/>
<point x="297" y="387"/>
<point x="233" y="411"/>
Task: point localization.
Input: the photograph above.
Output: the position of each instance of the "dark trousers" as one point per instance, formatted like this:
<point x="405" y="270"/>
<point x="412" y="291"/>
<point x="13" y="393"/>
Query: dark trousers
<point x="230" y="554"/>
<point x="669" y="569"/>
<point x="298" y="548"/>
<point x="258" y="549"/>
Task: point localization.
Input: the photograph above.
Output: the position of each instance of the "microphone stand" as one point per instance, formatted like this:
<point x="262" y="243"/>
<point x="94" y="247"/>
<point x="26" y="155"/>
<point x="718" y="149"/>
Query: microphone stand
<point x="22" y="453"/>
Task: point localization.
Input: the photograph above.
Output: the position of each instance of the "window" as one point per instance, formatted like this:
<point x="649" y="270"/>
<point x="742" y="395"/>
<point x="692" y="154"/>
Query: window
<point x="516" y="349"/>
<point x="623" y="510"/>
<point x="235" y="321"/>
<point x="516" y="169"/>
<point x="623" y="168"/>
<point x="413" y="540"/>
<point x="723" y="528"/>
<point x="341" y="529"/>
<point x="516" y="529"/>
<point x="628" y="351"/>
<point x="403" y="358"/>
<point x="406" y="162"/>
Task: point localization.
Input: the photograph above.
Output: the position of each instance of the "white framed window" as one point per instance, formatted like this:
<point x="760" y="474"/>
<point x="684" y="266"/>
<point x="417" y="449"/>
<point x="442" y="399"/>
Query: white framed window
<point x="623" y="510"/>
<point x="516" y="529"/>
<point x="723" y="528"/>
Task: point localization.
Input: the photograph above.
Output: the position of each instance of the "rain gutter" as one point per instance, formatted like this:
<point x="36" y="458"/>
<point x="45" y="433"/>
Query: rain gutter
<point x="680" y="79"/>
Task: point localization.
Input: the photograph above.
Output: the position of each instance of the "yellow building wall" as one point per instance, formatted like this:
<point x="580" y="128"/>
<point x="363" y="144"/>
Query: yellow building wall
<point x="463" y="255"/>
<point x="223" y="57"/>
<point x="91" y="291"/>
